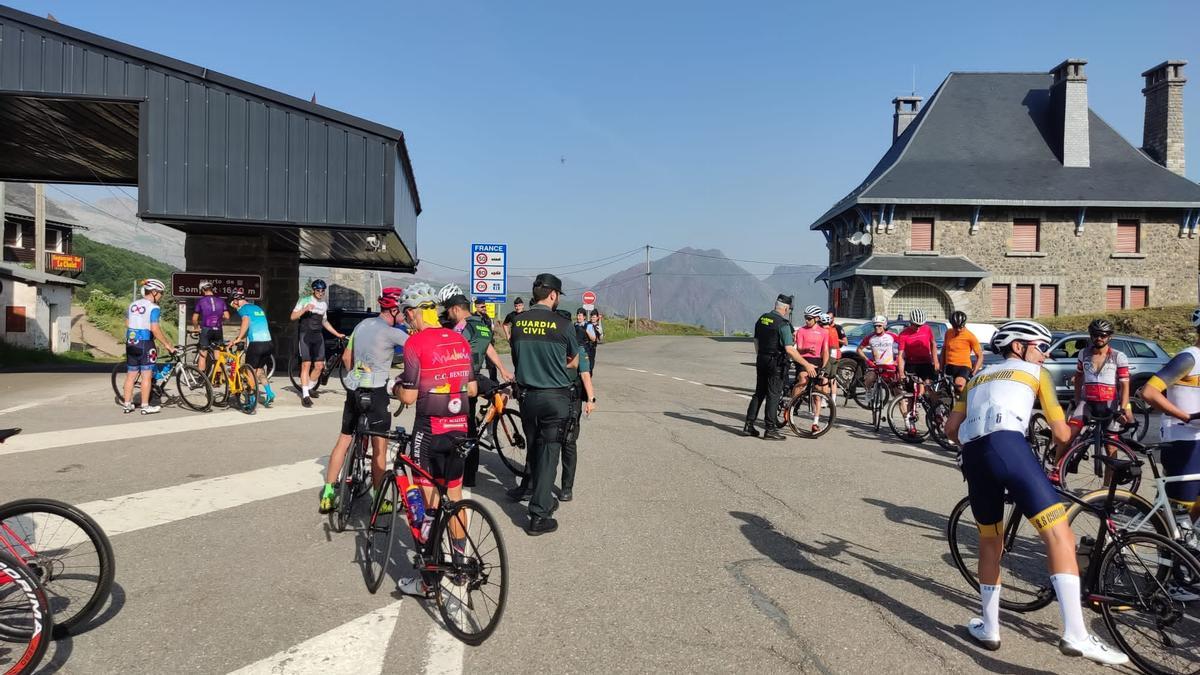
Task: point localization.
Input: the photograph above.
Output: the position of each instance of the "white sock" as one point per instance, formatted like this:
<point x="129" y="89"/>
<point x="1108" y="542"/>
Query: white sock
<point x="1066" y="587"/>
<point x="990" y="597"/>
<point x="304" y="390"/>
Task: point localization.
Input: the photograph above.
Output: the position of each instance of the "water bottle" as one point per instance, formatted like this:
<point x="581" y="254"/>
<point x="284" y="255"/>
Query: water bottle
<point x="415" y="504"/>
<point x="1083" y="553"/>
<point x="161" y="371"/>
<point x="1187" y="531"/>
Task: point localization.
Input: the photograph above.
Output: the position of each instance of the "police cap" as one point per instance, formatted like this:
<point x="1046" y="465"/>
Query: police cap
<point x="785" y="299"/>
<point x="457" y="300"/>
<point x="547" y="280"/>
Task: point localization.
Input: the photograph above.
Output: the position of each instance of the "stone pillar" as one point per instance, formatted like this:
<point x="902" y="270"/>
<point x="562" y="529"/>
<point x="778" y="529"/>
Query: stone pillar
<point x="1162" y="129"/>
<point x="907" y="108"/>
<point x="278" y="265"/>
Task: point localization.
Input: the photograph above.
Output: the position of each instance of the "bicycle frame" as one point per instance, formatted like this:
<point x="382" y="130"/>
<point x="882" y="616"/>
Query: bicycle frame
<point x="223" y="356"/>
<point x="1161" y="503"/>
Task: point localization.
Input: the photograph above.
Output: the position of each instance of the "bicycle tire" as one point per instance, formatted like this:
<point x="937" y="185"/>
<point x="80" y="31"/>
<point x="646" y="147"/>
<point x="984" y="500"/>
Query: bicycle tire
<point x="879" y="400"/>
<point x="346" y="490"/>
<point x="118" y="384"/>
<point x="1141" y="416"/>
<point x="246" y="400"/>
<point x="507" y="434"/>
<point x="294" y="371"/>
<point x="802" y="409"/>
<point x="896" y="423"/>
<point x="1164" y="616"/>
<point x="1078" y="462"/>
<point x="28" y="619"/>
<point x="936" y="421"/>
<point x="1017" y="570"/>
<point x="70" y="610"/>
<point x="191" y="383"/>
<point x="269" y="366"/>
<point x="472" y="572"/>
<point x="1128" y="508"/>
<point x="381" y="533"/>
<point x="1041" y="440"/>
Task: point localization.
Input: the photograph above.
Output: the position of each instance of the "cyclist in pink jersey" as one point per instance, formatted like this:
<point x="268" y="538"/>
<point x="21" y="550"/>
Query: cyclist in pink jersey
<point x="812" y="341"/>
<point x="918" y="356"/>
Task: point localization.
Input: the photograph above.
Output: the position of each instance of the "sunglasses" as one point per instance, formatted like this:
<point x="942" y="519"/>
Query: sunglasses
<point x="1043" y="347"/>
<point x="1097" y="336"/>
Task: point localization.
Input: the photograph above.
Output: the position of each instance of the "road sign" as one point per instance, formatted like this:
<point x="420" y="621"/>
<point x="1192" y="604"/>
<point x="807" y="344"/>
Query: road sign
<point x="489" y="272"/>
<point x="589" y="298"/>
<point x="187" y="284"/>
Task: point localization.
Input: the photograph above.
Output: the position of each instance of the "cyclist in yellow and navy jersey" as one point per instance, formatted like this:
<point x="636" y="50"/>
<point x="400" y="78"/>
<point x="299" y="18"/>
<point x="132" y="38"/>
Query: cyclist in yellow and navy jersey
<point x="989" y="422"/>
<point x="1175" y="391"/>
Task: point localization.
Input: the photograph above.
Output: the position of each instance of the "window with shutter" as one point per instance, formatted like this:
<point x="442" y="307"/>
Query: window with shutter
<point x="1026" y="235"/>
<point x="922" y="235"/>
<point x="1023" y="302"/>
<point x="1128" y="240"/>
<point x="999" y="301"/>
<point x="1047" y="301"/>
<point x="1114" y="298"/>
<point x="1139" y="297"/>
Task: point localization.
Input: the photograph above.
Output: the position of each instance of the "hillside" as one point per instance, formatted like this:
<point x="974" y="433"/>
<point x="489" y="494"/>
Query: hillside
<point x="114" y="269"/>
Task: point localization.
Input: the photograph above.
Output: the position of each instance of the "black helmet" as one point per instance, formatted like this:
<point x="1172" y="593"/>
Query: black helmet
<point x="958" y="319"/>
<point x="1101" y="327"/>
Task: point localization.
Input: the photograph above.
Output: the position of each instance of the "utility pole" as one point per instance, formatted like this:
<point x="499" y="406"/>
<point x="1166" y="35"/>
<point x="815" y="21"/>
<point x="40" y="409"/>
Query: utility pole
<point x="39" y="227"/>
<point x="649" y="297"/>
<point x="723" y="331"/>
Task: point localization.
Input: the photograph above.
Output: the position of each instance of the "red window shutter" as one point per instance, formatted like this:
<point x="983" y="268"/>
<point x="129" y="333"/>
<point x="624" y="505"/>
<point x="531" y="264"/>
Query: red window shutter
<point x="1025" y="235"/>
<point x="999" y="301"/>
<point x="1047" y="300"/>
<point x="1023" y="306"/>
<point x="1114" y="298"/>
<point x="14" y="319"/>
<point x="922" y="235"/>
<point x="1139" y="297"/>
<point x="1127" y="236"/>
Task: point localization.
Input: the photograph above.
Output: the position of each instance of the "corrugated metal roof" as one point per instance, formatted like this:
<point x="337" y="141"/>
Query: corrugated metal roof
<point x="14" y="271"/>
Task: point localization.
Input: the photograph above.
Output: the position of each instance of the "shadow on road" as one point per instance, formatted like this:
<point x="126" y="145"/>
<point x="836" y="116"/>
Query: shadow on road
<point x="945" y="463"/>
<point x="811" y="559"/>
<point x="705" y="422"/>
<point x="933" y="523"/>
<point x="63" y="646"/>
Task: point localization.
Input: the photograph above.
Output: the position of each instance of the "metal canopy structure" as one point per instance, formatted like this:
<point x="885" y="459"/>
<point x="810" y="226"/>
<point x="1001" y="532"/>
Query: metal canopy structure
<point x="209" y="153"/>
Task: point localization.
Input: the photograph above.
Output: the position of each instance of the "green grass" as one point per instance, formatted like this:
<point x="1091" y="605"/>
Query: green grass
<point x="107" y="312"/>
<point x="12" y="355"/>
<point x="1171" y="327"/>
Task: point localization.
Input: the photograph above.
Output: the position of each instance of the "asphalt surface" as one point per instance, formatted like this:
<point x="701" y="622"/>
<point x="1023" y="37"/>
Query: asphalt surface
<point x="688" y="548"/>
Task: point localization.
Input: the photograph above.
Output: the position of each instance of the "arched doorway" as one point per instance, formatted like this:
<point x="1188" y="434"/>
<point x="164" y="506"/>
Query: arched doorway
<point x="919" y="295"/>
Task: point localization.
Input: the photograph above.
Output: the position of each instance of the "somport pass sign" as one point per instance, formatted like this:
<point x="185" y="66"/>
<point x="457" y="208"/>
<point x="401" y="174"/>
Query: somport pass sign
<point x="187" y="284"/>
<point x="489" y="272"/>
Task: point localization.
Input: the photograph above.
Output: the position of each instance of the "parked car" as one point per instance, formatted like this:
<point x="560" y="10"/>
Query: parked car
<point x="1145" y="358"/>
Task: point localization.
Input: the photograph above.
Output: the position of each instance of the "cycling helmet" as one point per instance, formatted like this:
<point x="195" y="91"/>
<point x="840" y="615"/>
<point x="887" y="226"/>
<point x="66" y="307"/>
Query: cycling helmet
<point x="153" y="285"/>
<point x="1196" y="318"/>
<point x="879" y="320"/>
<point x="318" y="285"/>
<point x="237" y="295"/>
<point x="206" y="286"/>
<point x="389" y="298"/>
<point x="1026" y="331"/>
<point x="812" y="310"/>
<point x="917" y="316"/>
<point x="958" y="319"/>
<point x="448" y="291"/>
<point x="1101" y="327"/>
<point x="825" y="319"/>
<point x="418" y="294"/>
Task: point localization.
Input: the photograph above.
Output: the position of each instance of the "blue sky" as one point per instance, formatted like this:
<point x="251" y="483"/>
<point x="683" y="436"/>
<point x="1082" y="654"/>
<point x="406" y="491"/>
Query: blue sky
<point x="574" y="131"/>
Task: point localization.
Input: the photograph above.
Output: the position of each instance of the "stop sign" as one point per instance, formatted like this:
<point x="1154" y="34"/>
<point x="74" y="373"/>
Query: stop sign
<point x="589" y="298"/>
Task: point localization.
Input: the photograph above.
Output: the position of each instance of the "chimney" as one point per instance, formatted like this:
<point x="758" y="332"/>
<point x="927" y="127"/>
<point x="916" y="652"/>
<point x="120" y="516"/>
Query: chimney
<point x="1069" y="110"/>
<point x="1162" y="132"/>
<point x="907" y="108"/>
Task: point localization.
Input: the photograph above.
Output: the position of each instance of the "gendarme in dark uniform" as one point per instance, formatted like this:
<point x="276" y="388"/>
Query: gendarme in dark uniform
<point x="772" y="337"/>
<point x="543" y="342"/>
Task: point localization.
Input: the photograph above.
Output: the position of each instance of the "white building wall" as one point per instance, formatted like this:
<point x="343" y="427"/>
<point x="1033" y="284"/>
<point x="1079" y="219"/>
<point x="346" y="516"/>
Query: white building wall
<point x="39" y="333"/>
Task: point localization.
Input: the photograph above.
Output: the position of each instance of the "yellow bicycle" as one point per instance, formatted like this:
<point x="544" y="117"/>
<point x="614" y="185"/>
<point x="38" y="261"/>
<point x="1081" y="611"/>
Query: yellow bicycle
<point x="230" y="375"/>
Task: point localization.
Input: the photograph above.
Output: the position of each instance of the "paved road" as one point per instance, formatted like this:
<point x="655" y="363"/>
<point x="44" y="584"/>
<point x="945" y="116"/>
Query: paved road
<point x="688" y="548"/>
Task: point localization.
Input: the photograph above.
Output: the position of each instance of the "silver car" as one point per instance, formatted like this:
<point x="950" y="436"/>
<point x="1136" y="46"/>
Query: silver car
<point x="1145" y="359"/>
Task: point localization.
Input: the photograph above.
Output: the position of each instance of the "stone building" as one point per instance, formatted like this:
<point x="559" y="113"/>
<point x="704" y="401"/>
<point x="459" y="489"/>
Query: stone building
<point x="1008" y="197"/>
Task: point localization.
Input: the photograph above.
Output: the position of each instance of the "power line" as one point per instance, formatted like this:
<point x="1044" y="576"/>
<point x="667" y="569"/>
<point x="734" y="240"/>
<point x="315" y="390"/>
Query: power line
<point x="721" y="257"/>
<point x="87" y="204"/>
<point x="613" y="257"/>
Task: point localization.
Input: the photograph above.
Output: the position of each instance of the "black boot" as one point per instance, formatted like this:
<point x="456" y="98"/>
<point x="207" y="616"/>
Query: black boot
<point x="749" y="430"/>
<point x="772" y="434"/>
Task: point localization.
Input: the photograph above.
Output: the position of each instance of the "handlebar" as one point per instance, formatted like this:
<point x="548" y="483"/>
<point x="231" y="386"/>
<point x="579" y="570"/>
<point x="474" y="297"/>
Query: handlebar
<point x="462" y="446"/>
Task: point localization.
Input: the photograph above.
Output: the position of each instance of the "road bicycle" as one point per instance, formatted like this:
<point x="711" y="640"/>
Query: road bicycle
<point x="1143" y="584"/>
<point x="354" y="478"/>
<point x="1074" y="471"/>
<point x="470" y="578"/>
<point x="875" y="398"/>
<point x="811" y="413"/>
<point x="499" y="428"/>
<point x="229" y="374"/>
<point x="191" y="354"/>
<point x="332" y="367"/>
<point x="1043" y="444"/>
<point x="914" y="418"/>
<point x="26" y="621"/>
<point x="191" y="389"/>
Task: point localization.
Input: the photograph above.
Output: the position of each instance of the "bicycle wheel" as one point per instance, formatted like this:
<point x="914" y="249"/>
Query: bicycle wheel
<point x="220" y="385"/>
<point x="118" y="385"/>
<point x="910" y="428"/>
<point x="194" y="389"/>
<point x="294" y="371"/>
<point x="26" y="620"/>
<point x="878" y="404"/>
<point x="1080" y="473"/>
<point x="937" y="426"/>
<point x="246" y="397"/>
<point x="269" y="366"/>
<point x="1153" y="613"/>
<point x="382" y="529"/>
<point x="1041" y="441"/>
<point x="508" y="439"/>
<point x="66" y="550"/>
<point x="812" y="415"/>
<point x="1141" y="417"/>
<point x="1128" y="509"/>
<point x="347" y="490"/>
<point x="1022" y="563"/>
<point x="338" y="372"/>
<point x="474" y="584"/>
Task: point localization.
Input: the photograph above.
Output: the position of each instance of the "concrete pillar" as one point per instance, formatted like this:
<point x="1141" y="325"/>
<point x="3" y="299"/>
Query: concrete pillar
<point x="264" y="255"/>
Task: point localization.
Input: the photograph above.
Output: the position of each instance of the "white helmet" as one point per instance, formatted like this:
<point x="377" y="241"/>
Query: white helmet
<point x="825" y="319"/>
<point x="1026" y="331"/>
<point x="1196" y="318"/>
<point x="418" y="294"/>
<point x="879" y="320"/>
<point x="448" y="291"/>
<point x="812" y="310"/>
<point x="152" y="285"/>
<point x="205" y="284"/>
<point x="917" y="316"/>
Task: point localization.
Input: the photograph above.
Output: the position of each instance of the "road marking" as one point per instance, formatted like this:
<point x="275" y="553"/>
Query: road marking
<point x="141" y="510"/>
<point x="698" y="384"/>
<point x="638" y="370"/>
<point x="358" y="646"/>
<point x="445" y="650"/>
<point x="31" y="404"/>
<point x="143" y="429"/>
<point x="678" y="378"/>
<point x="659" y="374"/>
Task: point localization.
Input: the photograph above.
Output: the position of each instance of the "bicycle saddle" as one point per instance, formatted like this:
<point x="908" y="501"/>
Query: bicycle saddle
<point x="1124" y="469"/>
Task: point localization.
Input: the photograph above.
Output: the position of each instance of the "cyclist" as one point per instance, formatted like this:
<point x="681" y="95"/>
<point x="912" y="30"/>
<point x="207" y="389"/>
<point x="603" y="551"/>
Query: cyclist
<point x="310" y="310"/>
<point x="260" y="347"/>
<point x="835" y="350"/>
<point x="989" y="422"/>
<point x="1101" y="381"/>
<point x="586" y="334"/>
<point x="207" y="317"/>
<point x="141" y="329"/>
<point x="511" y="317"/>
<point x="438" y="379"/>
<point x="882" y="344"/>
<point x="583" y="401"/>
<point x="1175" y="391"/>
<point x="481" y="311"/>
<point x="919" y="356"/>
<point x="957" y="349"/>
<point x="368" y="360"/>
<point x="812" y="342"/>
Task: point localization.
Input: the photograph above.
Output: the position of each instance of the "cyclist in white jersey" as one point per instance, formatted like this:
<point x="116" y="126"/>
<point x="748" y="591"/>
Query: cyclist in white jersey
<point x="1175" y="391"/>
<point x="989" y="422"/>
<point x="141" y="329"/>
<point x="882" y="345"/>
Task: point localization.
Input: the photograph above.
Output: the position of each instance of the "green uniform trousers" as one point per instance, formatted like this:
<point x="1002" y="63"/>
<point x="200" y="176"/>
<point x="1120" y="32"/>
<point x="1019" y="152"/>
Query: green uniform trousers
<point x="570" y="453"/>
<point x="544" y="414"/>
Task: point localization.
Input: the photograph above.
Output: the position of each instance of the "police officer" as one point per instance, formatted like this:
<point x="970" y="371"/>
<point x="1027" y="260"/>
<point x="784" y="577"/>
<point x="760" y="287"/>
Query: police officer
<point x="583" y="400"/>
<point x="543" y="347"/>
<point x="482" y="312"/>
<point x="774" y="344"/>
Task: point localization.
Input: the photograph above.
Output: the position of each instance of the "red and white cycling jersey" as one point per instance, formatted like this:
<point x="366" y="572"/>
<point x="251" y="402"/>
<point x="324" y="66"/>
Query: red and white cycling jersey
<point x="883" y="348"/>
<point x="1100" y="385"/>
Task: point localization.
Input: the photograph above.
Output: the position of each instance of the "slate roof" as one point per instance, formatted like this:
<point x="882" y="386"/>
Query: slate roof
<point x="988" y="139"/>
<point x="884" y="265"/>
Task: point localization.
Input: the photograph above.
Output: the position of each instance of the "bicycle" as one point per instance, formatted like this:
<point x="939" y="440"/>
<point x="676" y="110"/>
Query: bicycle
<point x="192" y="387"/>
<point x="499" y="428"/>
<point x="26" y="621"/>
<point x="875" y="398"/>
<point x="1039" y="430"/>
<point x="332" y="367"/>
<point x="237" y="381"/>
<point x="192" y="351"/>
<point x="807" y="405"/>
<point x="929" y="410"/>
<point x="1127" y="576"/>
<point x="1094" y="440"/>
<point x="457" y="573"/>
<point x="354" y="478"/>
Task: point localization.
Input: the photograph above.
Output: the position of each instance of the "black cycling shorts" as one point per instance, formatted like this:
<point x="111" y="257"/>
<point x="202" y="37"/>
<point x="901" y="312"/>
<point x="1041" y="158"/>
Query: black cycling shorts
<point x="1182" y="458"/>
<point x="377" y="412"/>
<point x="312" y="346"/>
<point x="437" y="454"/>
<point x="1002" y="460"/>
<point x="210" y="336"/>
<point x="140" y="355"/>
<point x="258" y="353"/>
<point x="924" y="371"/>
<point x="958" y="371"/>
